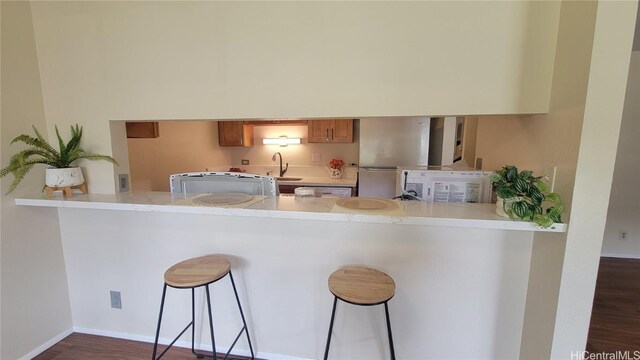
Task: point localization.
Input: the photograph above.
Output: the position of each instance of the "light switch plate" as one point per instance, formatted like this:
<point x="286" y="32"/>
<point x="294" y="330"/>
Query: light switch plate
<point x="316" y="157"/>
<point x="551" y="175"/>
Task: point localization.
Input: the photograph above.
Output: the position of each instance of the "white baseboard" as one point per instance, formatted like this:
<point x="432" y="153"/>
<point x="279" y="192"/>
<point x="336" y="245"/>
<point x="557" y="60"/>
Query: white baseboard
<point x="49" y="343"/>
<point x="180" y="343"/>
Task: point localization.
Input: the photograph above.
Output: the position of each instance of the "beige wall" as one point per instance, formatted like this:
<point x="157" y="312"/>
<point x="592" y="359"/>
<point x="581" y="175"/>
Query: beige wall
<point x="1" y="187"/>
<point x="554" y="141"/>
<point x="102" y="61"/>
<point x="183" y="146"/>
<point x="624" y="205"/>
<point x="536" y="143"/>
<point x="608" y="72"/>
<point x="583" y="119"/>
<point x="286" y="59"/>
<point x="503" y="140"/>
<point x="539" y="143"/>
<point x="35" y="300"/>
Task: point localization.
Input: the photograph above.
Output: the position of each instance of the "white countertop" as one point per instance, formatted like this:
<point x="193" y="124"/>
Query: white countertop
<point x="481" y="216"/>
<point x="320" y="181"/>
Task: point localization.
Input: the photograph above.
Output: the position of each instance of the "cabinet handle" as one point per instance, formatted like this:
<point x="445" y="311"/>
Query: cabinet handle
<point x="241" y="139"/>
<point x="331" y="134"/>
<point x="327" y="134"/>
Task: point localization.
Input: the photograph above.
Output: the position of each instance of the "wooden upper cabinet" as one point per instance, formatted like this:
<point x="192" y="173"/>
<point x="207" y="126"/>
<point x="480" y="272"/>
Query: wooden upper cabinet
<point x="235" y="133"/>
<point x="342" y="131"/>
<point x="320" y="131"/>
<point x="142" y="129"/>
<point x="331" y="131"/>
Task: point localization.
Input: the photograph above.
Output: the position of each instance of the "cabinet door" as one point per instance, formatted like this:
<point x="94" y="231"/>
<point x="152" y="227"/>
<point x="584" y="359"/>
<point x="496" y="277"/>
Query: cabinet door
<point x="234" y="133"/>
<point x="142" y="129"/>
<point x="342" y="131"/>
<point x="320" y="131"/>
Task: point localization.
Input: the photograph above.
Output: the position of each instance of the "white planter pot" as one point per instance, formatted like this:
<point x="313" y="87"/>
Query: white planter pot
<point x="64" y="177"/>
<point x="500" y="205"/>
<point x="500" y="208"/>
<point x="335" y="173"/>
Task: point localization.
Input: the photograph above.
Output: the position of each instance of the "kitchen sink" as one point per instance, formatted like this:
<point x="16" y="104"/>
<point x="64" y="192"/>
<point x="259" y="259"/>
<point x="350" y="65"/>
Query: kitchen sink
<point x="288" y="178"/>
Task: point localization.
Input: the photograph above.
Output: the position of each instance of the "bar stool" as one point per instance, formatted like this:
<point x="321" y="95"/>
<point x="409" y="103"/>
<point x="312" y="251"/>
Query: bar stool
<point x="359" y="285"/>
<point x="191" y="274"/>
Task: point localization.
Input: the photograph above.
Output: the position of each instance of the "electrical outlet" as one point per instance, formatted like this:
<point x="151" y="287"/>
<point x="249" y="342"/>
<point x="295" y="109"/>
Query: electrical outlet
<point x="245" y="161"/>
<point x="116" y="299"/>
<point x="123" y="182"/>
<point x="550" y="173"/>
<point x="316" y="157"/>
<point x="622" y="235"/>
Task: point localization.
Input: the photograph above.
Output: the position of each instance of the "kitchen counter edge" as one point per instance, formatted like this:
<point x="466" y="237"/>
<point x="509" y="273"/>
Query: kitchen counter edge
<point x="479" y="216"/>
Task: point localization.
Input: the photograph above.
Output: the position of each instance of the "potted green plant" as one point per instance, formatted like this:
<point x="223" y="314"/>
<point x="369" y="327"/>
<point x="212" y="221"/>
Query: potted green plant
<point x="60" y="170"/>
<point x="524" y="196"/>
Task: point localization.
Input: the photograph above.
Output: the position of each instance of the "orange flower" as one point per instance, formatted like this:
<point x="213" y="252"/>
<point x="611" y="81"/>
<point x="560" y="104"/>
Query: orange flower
<point x="336" y="164"/>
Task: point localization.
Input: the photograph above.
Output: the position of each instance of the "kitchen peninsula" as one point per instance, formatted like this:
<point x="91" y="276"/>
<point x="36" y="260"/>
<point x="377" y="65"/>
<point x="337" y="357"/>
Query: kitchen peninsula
<point x="450" y="263"/>
<point x="302" y="208"/>
<point x="554" y="74"/>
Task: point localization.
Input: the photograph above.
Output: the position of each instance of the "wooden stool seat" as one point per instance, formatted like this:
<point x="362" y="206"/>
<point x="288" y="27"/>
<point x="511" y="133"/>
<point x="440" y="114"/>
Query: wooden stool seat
<point x="361" y="285"/>
<point x="197" y="271"/>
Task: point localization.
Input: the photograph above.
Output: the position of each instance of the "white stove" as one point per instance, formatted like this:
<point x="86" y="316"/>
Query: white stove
<point x="223" y="182"/>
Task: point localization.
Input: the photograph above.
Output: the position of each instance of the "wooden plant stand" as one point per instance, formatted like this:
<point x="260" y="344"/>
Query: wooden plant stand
<point x="67" y="190"/>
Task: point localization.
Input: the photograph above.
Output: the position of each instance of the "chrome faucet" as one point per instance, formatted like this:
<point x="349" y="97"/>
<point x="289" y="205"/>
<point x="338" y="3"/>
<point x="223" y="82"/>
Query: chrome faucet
<point x="282" y="171"/>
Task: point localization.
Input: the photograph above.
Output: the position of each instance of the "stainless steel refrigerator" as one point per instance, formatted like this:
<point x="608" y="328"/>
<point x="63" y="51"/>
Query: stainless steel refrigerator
<point x="385" y="144"/>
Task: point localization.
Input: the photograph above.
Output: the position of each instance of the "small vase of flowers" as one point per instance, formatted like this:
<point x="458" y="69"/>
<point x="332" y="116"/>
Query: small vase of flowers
<point x="335" y="168"/>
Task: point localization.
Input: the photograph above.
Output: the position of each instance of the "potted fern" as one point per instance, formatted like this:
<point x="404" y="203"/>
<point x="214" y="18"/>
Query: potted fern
<point x="60" y="171"/>
<point x="524" y="196"/>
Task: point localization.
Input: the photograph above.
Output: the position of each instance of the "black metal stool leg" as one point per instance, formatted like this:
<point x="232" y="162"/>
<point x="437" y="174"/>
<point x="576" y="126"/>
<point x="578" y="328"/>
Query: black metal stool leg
<point x="393" y="352"/>
<point x="193" y="321"/>
<point x="155" y="344"/>
<point x="213" y="340"/>
<point x="333" y="315"/>
<point x="246" y="330"/>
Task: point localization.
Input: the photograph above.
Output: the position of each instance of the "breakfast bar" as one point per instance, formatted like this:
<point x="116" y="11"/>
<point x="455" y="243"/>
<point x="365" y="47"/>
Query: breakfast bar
<point x="461" y="272"/>
<point x="479" y="216"/>
<point x="305" y="90"/>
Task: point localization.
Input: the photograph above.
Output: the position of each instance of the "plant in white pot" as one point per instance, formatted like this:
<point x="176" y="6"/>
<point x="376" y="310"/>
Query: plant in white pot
<point x="524" y="196"/>
<point x="60" y="171"/>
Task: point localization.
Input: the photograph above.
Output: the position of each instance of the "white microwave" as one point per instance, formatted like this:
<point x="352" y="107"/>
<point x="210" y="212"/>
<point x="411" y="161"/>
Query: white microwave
<point x="444" y="186"/>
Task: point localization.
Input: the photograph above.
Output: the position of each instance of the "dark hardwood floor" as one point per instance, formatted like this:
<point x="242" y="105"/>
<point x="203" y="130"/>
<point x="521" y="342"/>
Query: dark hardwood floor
<point x="82" y="347"/>
<point x="615" y="320"/>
